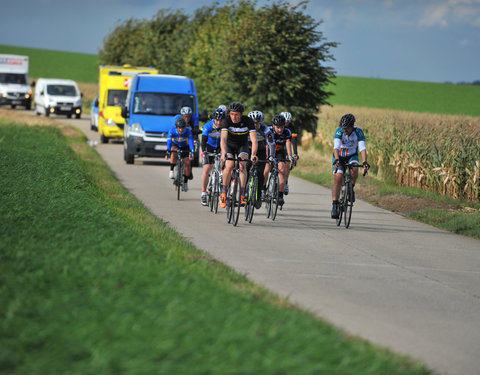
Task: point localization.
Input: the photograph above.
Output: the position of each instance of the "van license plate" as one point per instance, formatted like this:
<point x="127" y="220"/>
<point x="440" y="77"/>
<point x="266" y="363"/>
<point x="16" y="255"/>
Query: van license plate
<point x="160" y="147"/>
<point x="63" y="108"/>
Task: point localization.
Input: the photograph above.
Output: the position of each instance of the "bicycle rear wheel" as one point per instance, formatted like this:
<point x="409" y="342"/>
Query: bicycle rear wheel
<point x="348" y="203"/>
<point x="275" y="198"/>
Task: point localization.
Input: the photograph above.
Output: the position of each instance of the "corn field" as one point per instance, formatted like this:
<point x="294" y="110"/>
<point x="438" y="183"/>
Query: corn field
<point x="440" y="153"/>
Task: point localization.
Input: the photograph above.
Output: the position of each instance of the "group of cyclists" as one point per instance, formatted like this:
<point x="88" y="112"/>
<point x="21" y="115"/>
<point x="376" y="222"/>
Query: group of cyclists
<point x="232" y="134"/>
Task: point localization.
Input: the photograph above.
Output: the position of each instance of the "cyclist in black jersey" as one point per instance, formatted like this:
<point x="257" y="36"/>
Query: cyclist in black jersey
<point x="265" y="142"/>
<point x="283" y="150"/>
<point x="289" y="125"/>
<point x="234" y="143"/>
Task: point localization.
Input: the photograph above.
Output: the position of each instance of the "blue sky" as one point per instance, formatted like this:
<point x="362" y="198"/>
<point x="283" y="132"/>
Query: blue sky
<point x="418" y="40"/>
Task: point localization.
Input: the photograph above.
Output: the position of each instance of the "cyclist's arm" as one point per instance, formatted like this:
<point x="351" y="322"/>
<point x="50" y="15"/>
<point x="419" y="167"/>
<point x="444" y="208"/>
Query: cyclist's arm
<point x="253" y="138"/>
<point x="288" y="144"/>
<point x="204" y="142"/>
<point x="169" y="142"/>
<point x="191" y="145"/>
<point x="223" y="143"/>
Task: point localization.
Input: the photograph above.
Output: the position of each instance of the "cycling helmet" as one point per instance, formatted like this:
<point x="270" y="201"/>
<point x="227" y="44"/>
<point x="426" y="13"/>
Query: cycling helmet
<point x="347" y="120"/>
<point x="186" y="111"/>
<point x="237" y="107"/>
<point x="219" y="114"/>
<point x="256" y="116"/>
<point x="180" y="123"/>
<point x="278" y="120"/>
<point x="287" y="115"/>
<point x="223" y="107"/>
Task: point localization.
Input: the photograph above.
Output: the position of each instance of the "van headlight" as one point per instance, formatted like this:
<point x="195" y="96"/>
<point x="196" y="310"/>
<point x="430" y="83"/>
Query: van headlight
<point x="136" y="130"/>
<point x="110" y="122"/>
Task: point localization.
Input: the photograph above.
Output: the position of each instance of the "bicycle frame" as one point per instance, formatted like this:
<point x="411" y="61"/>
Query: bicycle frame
<point x="179" y="180"/>
<point x="233" y="193"/>
<point x="345" y="201"/>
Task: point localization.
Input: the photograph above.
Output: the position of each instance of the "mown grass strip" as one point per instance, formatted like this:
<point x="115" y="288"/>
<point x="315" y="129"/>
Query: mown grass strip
<point x="92" y="283"/>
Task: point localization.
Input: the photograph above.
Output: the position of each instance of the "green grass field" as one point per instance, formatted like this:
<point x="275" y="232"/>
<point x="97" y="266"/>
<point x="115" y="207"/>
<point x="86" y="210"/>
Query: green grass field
<point x="80" y="67"/>
<point x="92" y="283"/>
<point x="406" y="95"/>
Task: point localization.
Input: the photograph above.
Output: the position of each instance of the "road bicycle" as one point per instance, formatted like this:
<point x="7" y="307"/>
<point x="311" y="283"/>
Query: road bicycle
<point x="345" y="201"/>
<point x="234" y="194"/>
<point x="252" y="194"/>
<point x="272" y="193"/>
<point x="179" y="180"/>
<point x="214" y="185"/>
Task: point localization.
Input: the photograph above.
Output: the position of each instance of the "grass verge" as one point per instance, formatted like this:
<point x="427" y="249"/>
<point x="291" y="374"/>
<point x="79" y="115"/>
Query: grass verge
<point x="92" y="283"/>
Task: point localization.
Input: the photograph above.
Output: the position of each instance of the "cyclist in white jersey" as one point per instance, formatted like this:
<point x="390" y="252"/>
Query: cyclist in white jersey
<point x="348" y="141"/>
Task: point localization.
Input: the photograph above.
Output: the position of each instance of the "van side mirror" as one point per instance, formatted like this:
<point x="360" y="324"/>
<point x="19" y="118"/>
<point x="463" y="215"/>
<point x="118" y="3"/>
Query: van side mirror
<point x="124" y="112"/>
<point x="81" y="94"/>
<point x="33" y="83"/>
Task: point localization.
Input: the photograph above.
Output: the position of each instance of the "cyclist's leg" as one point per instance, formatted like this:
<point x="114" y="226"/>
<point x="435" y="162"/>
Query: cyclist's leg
<point x="337" y="182"/>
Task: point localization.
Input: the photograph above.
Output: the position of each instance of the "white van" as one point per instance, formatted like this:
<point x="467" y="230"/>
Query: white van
<point x="58" y="96"/>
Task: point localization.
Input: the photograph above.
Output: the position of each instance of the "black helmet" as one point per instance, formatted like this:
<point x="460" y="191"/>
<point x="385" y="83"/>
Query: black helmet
<point x="347" y="120"/>
<point x="237" y="107"/>
<point x="180" y="123"/>
<point x="278" y="120"/>
<point x="219" y="114"/>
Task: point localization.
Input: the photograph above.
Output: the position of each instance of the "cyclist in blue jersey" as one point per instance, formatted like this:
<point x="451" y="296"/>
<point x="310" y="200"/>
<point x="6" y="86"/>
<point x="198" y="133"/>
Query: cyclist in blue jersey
<point x="211" y="134"/>
<point x="180" y="137"/>
<point x="348" y="141"/>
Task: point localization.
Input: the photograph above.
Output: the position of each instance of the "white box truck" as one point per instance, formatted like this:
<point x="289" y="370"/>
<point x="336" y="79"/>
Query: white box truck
<point x="15" y="88"/>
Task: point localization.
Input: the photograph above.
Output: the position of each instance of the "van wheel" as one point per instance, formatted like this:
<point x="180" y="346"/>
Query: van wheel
<point x="69" y="115"/>
<point x="103" y="139"/>
<point x="13" y="106"/>
<point x="129" y="158"/>
<point x="28" y="106"/>
<point x="78" y="115"/>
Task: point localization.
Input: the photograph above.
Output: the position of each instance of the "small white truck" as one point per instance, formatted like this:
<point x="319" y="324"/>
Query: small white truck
<point x="15" y="88"/>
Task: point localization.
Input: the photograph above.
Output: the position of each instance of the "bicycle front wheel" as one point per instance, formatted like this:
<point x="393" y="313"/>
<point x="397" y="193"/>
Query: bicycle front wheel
<point x="215" y="192"/>
<point x="236" y="201"/>
<point x="340" y="207"/>
<point x="348" y="204"/>
<point x="275" y="198"/>
<point x="268" y="195"/>
<point x="179" y="177"/>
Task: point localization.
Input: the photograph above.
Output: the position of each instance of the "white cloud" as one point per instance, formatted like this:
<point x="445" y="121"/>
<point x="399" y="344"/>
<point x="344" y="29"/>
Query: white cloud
<point x="444" y="13"/>
<point x="464" y="42"/>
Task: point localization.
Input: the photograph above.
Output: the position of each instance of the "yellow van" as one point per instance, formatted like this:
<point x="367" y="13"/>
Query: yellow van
<point x="114" y="83"/>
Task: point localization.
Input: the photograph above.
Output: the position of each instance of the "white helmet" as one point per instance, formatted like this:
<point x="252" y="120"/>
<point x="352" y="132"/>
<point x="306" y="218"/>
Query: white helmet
<point x="287" y="115"/>
<point x="256" y="116"/>
<point x="186" y="111"/>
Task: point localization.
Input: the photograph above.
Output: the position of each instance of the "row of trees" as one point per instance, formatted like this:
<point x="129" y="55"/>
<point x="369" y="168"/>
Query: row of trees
<point x="270" y="58"/>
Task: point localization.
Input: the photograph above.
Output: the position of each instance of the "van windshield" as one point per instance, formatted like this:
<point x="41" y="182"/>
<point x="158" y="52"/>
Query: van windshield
<point x="154" y="103"/>
<point x="62" y="90"/>
<point x="116" y="98"/>
<point x="19" y="79"/>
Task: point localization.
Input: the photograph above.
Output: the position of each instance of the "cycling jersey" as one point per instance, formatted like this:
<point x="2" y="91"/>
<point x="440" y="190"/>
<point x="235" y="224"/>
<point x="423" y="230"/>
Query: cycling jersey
<point x="211" y="135"/>
<point x="183" y="141"/>
<point x="238" y="133"/>
<point x="264" y="139"/>
<point x="349" y="145"/>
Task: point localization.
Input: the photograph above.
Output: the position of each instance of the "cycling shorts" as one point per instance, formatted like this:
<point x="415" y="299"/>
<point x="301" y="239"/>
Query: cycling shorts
<point x="343" y="161"/>
<point x="235" y="149"/>
<point x="185" y="150"/>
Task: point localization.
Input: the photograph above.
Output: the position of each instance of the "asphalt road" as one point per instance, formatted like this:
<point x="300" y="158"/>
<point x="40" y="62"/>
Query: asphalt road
<point x="398" y="283"/>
